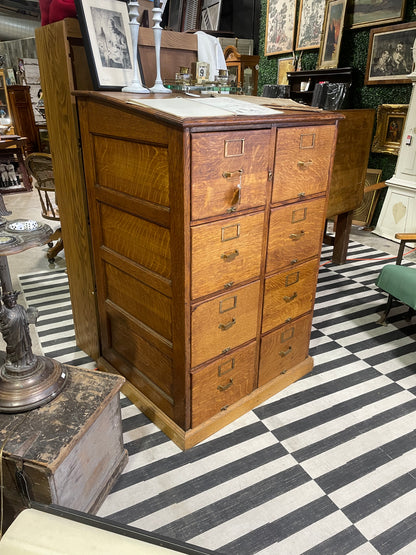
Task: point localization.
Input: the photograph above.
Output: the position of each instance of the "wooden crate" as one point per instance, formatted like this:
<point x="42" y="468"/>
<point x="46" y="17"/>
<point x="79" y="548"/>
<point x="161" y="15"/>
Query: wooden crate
<point x="68" y="452"/>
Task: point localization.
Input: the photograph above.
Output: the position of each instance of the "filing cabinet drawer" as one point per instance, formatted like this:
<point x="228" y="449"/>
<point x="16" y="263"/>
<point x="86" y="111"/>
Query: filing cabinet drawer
<point x="225" y="253"/>
<point x="289" y="294"/>
<point x="222" y="383"/>
<point x="293" y="235"/>
<point x="302" y="164"/>
<point x="282" y="349"/>
<point x="223" y="323"/>
<point x="229" y="172"/>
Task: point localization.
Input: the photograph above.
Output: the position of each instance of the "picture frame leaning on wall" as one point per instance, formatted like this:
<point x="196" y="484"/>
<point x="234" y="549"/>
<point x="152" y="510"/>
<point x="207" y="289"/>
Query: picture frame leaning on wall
<point x="331" y="34"/>
<point x="311" y="19"/>
<point x="105" y="29"/>
<point x="390" y="58"/>
<point x="280" y="27"/>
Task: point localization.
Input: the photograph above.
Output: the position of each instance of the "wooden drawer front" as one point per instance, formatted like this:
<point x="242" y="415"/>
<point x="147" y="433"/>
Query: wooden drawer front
<point x="282" y="349"/>
<point x="229" y="172"/>
<point x="302" y="161"/>
<point x="289" y="294"/>
<point x="226" y="252"/>
<point x="224" y="323"/>
<point x="295" y="233"/>
<point x="222" y="383"/>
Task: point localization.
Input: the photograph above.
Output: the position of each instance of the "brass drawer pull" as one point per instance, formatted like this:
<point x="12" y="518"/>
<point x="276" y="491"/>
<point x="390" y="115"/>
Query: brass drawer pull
<point x="302" y="164"/>
<point x="301" y="195"/>
<point x="225" y="387"/>
<point x="225" y="327"/>
<point x="284" y="353"/>
<point x="227" y="175"/>
<point x="291" y="298"/>
<point x="229" y="284"/>
<point x="230" y="257"/>
<point x="297" y="236"/>
<point x="294" y="261"/>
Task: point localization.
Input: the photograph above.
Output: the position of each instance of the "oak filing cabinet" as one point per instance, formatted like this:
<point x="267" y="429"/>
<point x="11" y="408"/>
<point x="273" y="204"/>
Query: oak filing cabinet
<point x="206" y="234"/>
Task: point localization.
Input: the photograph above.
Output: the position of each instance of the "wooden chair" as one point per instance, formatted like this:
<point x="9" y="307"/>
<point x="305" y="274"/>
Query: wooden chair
<point x="399" y="281"/>
<point x="39" y="166"/>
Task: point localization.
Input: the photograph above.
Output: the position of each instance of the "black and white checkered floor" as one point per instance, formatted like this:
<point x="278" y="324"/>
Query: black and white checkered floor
<point x="327" y="466"/>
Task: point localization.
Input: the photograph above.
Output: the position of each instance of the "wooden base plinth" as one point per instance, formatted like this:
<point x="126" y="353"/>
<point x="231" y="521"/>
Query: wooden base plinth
<point x="187" y="439"/>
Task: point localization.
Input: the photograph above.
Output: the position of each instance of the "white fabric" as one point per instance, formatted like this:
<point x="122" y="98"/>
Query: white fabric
<point x="36" y="533"/>
<point x="210" y="51"/>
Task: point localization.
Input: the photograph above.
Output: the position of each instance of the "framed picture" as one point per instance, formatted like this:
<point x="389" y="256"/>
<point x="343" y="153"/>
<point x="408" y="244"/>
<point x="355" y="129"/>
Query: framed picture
<point x="331" y="34"/>
<point x="390" y="58"/>
<point x="280" y="27"/>
<point x="106" y="32"/>
<point x="372" y="189"/>
<point x="10" y="77"/>
<point x="4" y="99"/>
<point x="380" y="13"/>
<point x="391" y="119"/>
<point x="311" y="19"/>
<point x="284" y="65"/>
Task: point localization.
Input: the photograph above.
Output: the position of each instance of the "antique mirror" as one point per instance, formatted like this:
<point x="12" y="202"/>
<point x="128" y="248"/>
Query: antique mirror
<point x="5" y="114"/>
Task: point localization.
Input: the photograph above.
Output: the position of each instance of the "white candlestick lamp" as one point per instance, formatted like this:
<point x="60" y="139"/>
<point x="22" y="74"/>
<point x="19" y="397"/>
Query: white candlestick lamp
<point x="158" y="87"/>
<point x="136" y="85"/>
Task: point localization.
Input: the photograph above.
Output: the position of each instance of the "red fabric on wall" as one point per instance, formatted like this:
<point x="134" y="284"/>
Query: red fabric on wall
<point x="55" y="10"/>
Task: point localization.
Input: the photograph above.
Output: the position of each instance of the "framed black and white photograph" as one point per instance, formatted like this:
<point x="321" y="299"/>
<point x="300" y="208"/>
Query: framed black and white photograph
<point x="106" y="32"/>
<point x="311" y="19"/>
<point x="390" y="58"/>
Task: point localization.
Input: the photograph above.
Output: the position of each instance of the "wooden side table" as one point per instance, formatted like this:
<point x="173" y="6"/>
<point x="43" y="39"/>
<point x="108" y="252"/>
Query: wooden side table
<point x="68" y="452"/>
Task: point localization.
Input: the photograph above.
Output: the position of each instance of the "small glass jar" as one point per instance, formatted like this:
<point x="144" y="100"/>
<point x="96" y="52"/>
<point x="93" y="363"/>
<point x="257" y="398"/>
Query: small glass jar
<point x="183" y="77"/>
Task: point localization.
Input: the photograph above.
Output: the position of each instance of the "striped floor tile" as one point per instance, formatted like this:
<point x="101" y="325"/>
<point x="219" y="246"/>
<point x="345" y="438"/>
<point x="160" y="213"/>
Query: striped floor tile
<point x="325" y="467"/>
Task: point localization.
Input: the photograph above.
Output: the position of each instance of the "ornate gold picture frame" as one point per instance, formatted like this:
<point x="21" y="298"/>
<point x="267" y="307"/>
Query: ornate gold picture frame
<point x="391" y="120"/>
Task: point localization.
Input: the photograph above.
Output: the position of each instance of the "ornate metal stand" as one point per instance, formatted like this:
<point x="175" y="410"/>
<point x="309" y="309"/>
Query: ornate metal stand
<point x="136" y="85"/>
<point x="158" y="87"/>
<point x="27" y="381"/>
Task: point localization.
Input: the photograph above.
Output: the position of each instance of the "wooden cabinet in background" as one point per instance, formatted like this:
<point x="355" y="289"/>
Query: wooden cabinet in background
<point x="206" y="236"/>
<point x="23" y="117"/>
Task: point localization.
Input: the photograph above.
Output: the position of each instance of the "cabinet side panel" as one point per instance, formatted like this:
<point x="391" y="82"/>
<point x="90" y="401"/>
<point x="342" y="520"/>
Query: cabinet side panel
<point x="52" y="44"/>
<point x="129" y="192"/>
<point x="145" y="168"/>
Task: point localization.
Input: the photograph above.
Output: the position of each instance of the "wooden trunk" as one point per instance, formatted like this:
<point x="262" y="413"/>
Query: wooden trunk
<point x="206" y="239"/>
<point x="69" y="452"/>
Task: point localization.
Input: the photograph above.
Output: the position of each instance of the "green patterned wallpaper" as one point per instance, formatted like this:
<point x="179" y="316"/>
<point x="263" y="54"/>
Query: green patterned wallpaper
<point x="353" y="53"/>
